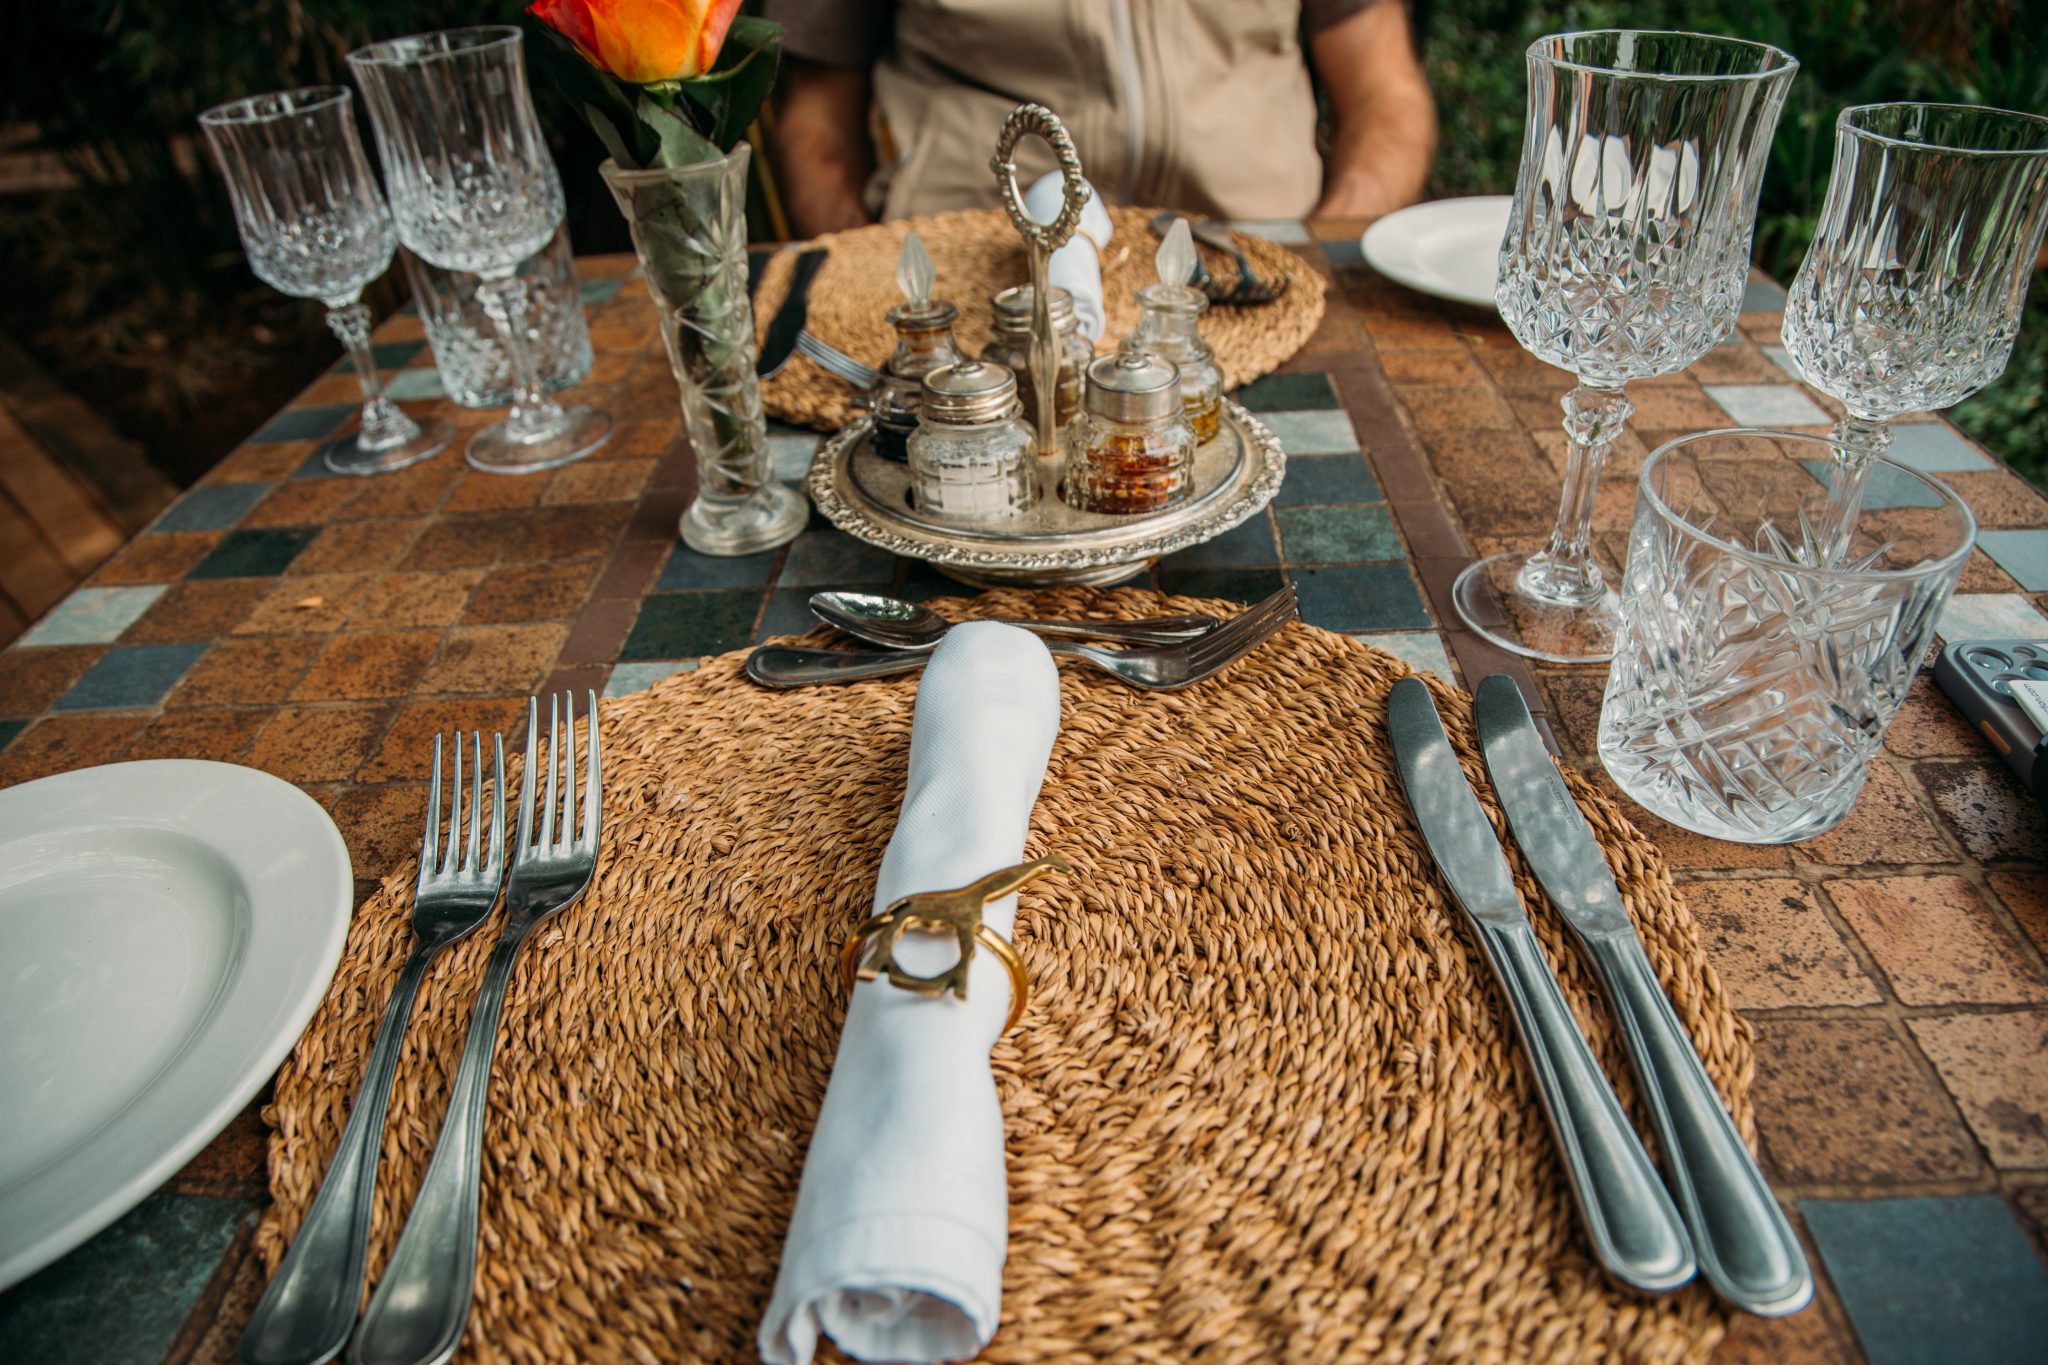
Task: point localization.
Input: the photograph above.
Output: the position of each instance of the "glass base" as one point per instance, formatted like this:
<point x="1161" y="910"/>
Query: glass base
<point x="1494" y="600"/>
<point x="773" y="515"/>
<point x="347" y="455"/>
<point x="583" y="430"/>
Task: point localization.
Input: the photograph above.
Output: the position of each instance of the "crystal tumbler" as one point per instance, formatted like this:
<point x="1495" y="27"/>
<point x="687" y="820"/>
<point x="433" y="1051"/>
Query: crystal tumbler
<point x="1753" y="677"/>
<point x="474" y="368"/>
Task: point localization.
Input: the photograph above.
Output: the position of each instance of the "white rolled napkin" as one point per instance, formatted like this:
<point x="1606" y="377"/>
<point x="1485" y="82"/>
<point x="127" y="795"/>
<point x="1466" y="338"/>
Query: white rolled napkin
<point x="1077" y="266"/>
<point x="902" y="1222"/>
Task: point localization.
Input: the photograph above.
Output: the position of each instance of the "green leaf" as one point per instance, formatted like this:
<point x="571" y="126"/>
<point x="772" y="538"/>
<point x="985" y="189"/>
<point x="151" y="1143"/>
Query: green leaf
<point x="681" y="145"/>
<point x="608" y="133"/>
<point x="732" y="94"/>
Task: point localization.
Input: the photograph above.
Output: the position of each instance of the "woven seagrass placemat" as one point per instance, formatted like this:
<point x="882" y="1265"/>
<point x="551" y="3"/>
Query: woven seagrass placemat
<point x="978" y="254"/>
<point x="1264" y="1106"/>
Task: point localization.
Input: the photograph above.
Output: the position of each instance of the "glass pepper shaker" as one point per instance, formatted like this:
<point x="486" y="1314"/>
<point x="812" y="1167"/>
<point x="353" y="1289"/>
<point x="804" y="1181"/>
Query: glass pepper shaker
<point x="1169" y="314"/>
<point x="924" y="342"/>
<point x="1133" y="450"/>
<point x="971" y="454"/>
<point x="1011" y="346"/>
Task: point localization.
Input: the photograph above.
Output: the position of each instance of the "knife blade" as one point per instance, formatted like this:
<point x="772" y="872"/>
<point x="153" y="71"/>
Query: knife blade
<point x="1635" y="1231"/>
<point x="778" y="343"/>
<point x="1746" y="1247"/>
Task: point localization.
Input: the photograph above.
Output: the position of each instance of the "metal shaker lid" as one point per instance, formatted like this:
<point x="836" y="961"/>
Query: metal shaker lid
<point x="971" y="391"/>
<point x="1013" y="310"/>
<point x="1133" y="386"/>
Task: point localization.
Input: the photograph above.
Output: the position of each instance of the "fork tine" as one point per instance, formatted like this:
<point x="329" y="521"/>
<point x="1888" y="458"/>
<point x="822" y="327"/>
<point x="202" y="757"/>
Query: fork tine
<point x="476" y="799"/>
<point x="593" y="783"/>
<point x="430" y="845"/>
<point x="547" y="811"/>
<point x="497" y="861"/>
<point x="1245" y="630"/>
<point x="453" y="856"/>
<point x="1258" y="635"/>
<point x="522" y="849"/>
<point x="567" y="833"/>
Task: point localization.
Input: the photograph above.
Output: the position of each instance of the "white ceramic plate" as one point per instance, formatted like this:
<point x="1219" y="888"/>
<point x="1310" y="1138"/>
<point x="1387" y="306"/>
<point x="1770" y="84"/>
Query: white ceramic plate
<point x="166" y="929"/>
<point x="1450" y="248"/>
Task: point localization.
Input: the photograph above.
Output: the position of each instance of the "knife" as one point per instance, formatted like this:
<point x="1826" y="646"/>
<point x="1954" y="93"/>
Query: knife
<point x="1635" y="1230"/>
<point x="778" y="344"/>
<point x="1746" y="1247"/>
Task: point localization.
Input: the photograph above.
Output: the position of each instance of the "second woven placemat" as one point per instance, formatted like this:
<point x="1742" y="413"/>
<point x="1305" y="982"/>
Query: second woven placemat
<point x="1265" y="1105"/>
<point x="978" y="254"/>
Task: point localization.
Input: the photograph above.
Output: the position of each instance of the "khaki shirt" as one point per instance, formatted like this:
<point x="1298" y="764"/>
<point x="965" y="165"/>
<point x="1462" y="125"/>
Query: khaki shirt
<point x="1203" y="105"/>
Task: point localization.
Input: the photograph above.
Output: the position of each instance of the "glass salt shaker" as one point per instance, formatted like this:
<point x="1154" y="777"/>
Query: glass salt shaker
<point x="971" y="455"/>
<point x="1133" y="451"/>
<point x="1011" y="347"/>
<point x="1168" y="327"/>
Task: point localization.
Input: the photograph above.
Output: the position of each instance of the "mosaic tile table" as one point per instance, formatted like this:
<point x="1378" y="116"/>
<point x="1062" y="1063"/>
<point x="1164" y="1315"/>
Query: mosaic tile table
<point x="324" y="628"/>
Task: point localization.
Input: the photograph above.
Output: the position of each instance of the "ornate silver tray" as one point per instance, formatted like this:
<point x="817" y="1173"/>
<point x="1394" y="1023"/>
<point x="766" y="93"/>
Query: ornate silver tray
<point x="868" y="497"/>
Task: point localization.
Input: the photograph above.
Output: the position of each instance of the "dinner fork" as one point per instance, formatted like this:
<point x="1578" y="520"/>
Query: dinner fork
<point x="837" y="362"/>
<point x="417" y="1315"/>
<point x="305" y="1315"/>
<point x="1162" y="669"/>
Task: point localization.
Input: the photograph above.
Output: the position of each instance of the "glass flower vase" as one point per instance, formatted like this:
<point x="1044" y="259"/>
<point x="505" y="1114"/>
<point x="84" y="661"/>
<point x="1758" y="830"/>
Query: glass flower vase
<point x="689" y="229"/>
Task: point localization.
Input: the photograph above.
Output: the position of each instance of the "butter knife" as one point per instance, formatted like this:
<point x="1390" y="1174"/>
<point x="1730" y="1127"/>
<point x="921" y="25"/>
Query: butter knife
<point x="778" y="343"/>
<point x="1746" y="1247"/>
<point x="1635" y="1231"/>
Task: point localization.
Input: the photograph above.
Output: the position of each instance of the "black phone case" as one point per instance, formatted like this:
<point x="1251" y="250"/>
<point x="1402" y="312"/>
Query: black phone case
<point x="1978" y="677"/>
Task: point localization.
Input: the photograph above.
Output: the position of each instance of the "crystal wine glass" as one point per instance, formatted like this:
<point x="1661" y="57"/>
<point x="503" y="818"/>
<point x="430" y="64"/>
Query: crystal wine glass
<point x="473" y="188"/>
<point x="315" y="227"/>
<point x="1625" y="257"/>
<point x="1911" y="294"/>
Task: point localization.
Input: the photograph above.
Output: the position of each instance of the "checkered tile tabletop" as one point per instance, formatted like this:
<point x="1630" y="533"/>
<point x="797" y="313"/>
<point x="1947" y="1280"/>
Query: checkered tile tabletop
<point x="324" y="628"/>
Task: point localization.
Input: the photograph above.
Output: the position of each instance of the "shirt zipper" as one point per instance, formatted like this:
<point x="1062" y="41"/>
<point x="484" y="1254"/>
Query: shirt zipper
<point x="1134" y="99"/>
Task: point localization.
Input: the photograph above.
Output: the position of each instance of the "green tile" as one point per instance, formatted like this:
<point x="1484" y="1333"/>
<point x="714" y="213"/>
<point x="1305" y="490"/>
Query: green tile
<point x="137" y="676"/>
<point x="1232" y="585"/>
<point x="9" y="729"/>
<point x="687" y="570"/>
<point x="691" y="624"/>
<point x="2023" y="554"/>
<point x="1361" y="597"/>
<point x="213" y="507"/>
<point x="1249" y="542"/>
<point x="255" y="554"/>
<point x="123" y="1295"/>
<point x="1288" y="393"/>
<point x="1319" y="480"/>
<point x="1338" y="535"/>
<point x="303" y="424"/>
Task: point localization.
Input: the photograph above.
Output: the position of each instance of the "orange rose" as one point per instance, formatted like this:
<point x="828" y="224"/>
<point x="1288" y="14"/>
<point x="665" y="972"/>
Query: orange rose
<point x="642" y="41"/>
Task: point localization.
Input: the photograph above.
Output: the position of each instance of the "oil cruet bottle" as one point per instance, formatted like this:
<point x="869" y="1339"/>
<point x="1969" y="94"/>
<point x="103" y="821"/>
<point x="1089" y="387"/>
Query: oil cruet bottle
<point x="972" y="453"/>
<point x="1133" y="451"/>
<point x="1011" y="347"/>
<point x="1168" y="317"/>
<point x="924" y="342"/>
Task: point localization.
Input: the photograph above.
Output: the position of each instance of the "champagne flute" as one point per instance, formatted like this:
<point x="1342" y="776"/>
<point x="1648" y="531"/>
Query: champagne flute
<point x="1912" y="292"/>
<point x="1625" y="257"/>
<point x="473" y="188"/>
<point x="314" y="226"/>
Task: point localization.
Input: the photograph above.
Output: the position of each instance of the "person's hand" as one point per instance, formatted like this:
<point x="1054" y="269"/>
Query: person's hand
<point x="1385" y="130"/>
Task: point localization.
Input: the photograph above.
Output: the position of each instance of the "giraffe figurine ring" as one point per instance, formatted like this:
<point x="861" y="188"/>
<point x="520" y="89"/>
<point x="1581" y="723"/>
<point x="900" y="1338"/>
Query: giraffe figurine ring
<point x="871" y="952"/>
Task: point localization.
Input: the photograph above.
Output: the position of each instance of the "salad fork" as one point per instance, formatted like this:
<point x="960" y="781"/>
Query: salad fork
<point x="306" y="1312"/>
<point x="422" y="1304"/>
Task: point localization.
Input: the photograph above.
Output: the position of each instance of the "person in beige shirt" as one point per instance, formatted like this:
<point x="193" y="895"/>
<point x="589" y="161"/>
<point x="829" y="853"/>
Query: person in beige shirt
<point x="886" y="110"/>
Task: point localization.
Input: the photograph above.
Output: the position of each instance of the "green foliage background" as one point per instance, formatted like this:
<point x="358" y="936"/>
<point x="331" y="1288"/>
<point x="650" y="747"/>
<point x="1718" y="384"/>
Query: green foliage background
<point x="132" y="287"/>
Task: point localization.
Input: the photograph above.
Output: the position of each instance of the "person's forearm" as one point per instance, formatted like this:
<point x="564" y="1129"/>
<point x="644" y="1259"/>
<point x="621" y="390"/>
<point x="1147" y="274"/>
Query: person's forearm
<point x="1380" y="158"/>
<point x="822" y="155"/>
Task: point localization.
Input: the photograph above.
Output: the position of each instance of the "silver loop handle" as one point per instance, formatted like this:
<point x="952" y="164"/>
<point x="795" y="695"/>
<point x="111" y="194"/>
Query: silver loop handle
<point x="1036" y="118"/>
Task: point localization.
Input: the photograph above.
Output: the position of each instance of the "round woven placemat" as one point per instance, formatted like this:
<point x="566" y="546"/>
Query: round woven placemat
<point x="978" y="254"/>
<point x="1264" y="1106"/>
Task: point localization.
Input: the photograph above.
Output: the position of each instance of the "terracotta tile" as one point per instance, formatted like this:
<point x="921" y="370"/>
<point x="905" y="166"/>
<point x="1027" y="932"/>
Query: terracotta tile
<point x="318" y="744"/>
<point x="1996" y="1065"/>
<point x="632" y="568"/>
<point x="571" y="532"/>
<point x="1575" y="707"/>
<point x="356" y="546"/>
<point x="1774" y="947"/>
<point x="614" y="480"/>
<point x="357" y="667"/>
<point x="497" y="660"/>
<point x="1842" y="1101"/>
<point x="199" y="609"/>
<point x="245" y="672"/>
<point x="2026" y="895"/>
<point x="222" y="736"/>
<point x="232" y="1165"/>
<point x="600" y="632"/>
<point x="310" y="604"/>
<point x="1989" y="812"/>
<point x="1456" y="407"/>
<point x="644" y="437"/>
<point x="157" y="558"/>
<point x="265" y="463"/>
<point x="1982" y="574"/>
<point x="1495" y="480"/>
<point x="1805" y="1338"/>
<point x="1516" y="371"/>
<point x="413" y="492"/>
<point x="31" y="679"/>
<point x="532" y="592"/>
<point x="404" y="601"/>
<point x="1682" y="848"/>
<point x="1432" y="367"/>
<point x="304" y="502"/>
<point x="58" y="744"/>
<point x="2000" y="498"/>
<point x="1938" y="942"/>
<point x="1735" y="362"/>
<point x="1677" y="404"/>
<point x="1886" y="826"/>
<point x="481" y="492"/>
<point x="407" y="750"/>
<point x="464" y="542"/>
<point x="382" y="824"/>
<point x="1929" y="726"/>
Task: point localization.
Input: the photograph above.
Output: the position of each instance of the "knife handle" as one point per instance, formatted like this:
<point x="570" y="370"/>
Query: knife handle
<point x="1746" y="1247"/>
<point x="1635" y="1229"/>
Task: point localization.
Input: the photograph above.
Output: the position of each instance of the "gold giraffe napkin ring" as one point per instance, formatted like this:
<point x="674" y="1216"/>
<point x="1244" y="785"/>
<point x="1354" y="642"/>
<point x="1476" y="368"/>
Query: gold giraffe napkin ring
<point x="871" y="952"/>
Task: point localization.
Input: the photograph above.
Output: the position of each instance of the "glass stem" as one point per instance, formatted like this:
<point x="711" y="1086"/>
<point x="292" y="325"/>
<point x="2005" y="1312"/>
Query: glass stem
<point x="384" y="424"/>
<point x="534" y="415"/>
<point x="1564" y="571"/>
<point x="1860" y="440"/>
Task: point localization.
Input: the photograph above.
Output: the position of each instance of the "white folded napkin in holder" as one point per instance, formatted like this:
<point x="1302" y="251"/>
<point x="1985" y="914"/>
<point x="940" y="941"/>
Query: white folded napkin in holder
<point x="901" y="1227"/>
<point x="1077" y="266"/>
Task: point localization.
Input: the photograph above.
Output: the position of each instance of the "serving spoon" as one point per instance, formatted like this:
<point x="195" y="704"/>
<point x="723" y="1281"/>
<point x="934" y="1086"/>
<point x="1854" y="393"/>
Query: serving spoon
<point x="896" y="624"/>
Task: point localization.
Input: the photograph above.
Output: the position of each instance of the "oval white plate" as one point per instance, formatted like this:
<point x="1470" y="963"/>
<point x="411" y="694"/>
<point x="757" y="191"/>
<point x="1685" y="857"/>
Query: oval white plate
<point x="1450" y="248"/>
<point x="166" y="930"/>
